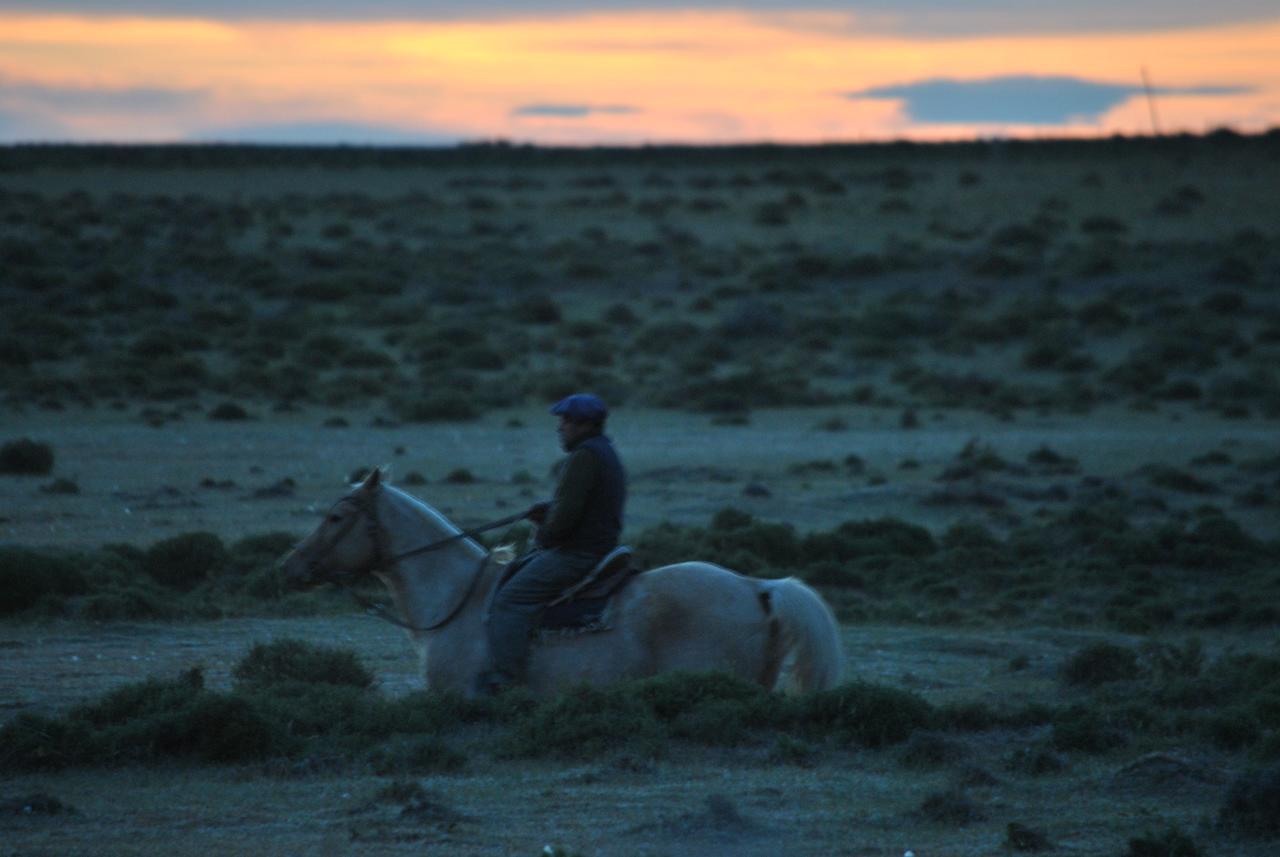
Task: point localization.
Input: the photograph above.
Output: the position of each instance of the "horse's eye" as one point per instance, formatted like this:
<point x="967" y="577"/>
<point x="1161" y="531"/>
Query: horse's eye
<point x="335" y="518"/>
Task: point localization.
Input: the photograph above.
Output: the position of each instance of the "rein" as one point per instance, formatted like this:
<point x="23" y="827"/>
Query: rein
<point x="380" y="561"/>
<point x="378" y="610"/>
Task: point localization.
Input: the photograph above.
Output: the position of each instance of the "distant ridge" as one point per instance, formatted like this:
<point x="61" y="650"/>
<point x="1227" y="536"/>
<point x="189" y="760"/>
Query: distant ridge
<point x="23" y="156"/>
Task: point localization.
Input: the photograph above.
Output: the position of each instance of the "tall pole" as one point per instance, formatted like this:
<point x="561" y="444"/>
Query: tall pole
<point x="1151" y="102"/>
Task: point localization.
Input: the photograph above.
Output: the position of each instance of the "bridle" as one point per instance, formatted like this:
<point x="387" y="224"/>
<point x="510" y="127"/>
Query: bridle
<point x="367" y="510"/>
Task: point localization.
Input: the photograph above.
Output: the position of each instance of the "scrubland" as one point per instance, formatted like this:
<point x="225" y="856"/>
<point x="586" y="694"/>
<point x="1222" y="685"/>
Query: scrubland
<point x="1011" y="407"/>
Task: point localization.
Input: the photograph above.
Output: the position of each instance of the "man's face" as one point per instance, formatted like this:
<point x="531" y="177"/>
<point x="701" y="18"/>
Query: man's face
<point x="570" y="430"/>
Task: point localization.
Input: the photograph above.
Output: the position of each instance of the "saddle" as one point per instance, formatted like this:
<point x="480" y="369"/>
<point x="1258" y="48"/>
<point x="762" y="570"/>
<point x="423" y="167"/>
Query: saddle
<point x="584" y="607"/>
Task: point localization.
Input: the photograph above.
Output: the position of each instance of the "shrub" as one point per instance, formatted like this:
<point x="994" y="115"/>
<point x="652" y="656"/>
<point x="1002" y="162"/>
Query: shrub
<point x="1049" y="460"/>
<point x="1019" y="837"/>
<point x="951" y="807"/>
<point x="27" y="576"/>
<point x="1035" y="761"/>
<point x="185" y="561"/>
<point x="733" y="532"/>
<point x="297" y="661"/>
<point x="436" y="406"/>
<point x="537" y="309"/>
<point x="1099" y="663"/>
<point x="869" y="540"/>
<point x="1171" y="843"/>
<point x="585" y="722"/>
<point x="865" y="714"/>
<point x="620" y="315"/>
<point x="156" y="719"/>
<point x="1174" y="479"/>
<point x="34" y="742"/>
<point x="416" y="756"/>
<point x="264" y="549"/>
<point x="128" y="602"/>
<point x="931" y="750"/>
<point x="228" y="412"/>
<point x="1252" y="805"/>
<point x="1231" y="728"/>
<point x="61" y="486"/>
<point x="1086" y="730"/>
<point x="1101" y="224"/>
<point x="26" y="457"/>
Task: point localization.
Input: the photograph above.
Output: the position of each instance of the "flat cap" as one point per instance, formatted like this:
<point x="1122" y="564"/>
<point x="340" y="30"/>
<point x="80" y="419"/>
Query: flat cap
<point x="581" y="407"/>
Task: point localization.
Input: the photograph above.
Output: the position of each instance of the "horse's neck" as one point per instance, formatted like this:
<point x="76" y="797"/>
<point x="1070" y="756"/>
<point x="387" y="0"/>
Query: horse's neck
<point x="425" y="586"/>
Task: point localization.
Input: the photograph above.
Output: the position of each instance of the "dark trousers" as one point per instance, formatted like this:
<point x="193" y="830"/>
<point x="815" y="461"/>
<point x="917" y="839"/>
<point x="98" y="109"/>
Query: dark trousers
<point x="517" y="607"/>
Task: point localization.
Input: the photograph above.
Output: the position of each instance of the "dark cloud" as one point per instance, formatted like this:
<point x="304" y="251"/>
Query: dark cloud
<point x="326" y="133"/>
<point x="89" y="99"/>
<point x="570" y="111"/>
<point x="922" y="16"/>
<point x="1020" y="100"/>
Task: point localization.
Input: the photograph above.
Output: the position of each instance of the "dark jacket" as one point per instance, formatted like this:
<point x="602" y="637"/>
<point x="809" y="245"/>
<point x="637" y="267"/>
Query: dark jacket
<point x="586" y="512"/>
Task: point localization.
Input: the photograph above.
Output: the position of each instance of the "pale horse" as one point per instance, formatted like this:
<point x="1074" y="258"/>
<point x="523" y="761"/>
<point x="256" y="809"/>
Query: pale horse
<point x="691" y="616"/>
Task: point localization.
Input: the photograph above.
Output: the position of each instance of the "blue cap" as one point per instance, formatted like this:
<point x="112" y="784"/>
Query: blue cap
<point x="581" y="407"/>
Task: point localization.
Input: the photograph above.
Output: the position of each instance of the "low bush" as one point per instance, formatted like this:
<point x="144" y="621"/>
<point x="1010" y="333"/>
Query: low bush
<point x="1019" y="837"/>
<point x="1252" y="805"/>
<point x="28" y="576"/>
<point x="1174" y="479"/>
<point x="290" y="697"/>
<point x="129" y="602"/>
<point x="862" y="714"/>
<point x="229" y="412"/>
<point x="1087" y="729"/>
<point x="416" y="756"/>
<point x="435" y="406"/>
<point x="586" y="722"/>
<point x="951" y="807"/>
<point x="185" y="561"/>
<point x="1172" y="842"/>
<point x="931" y="750"/>
<point x="297" y="661"/>
<point x="869" y="542"/>
<point x="145" y="722"/>
<point x="1099" y="663"/>
<point x="537" y="309"/>
<point x="26" y="457"/>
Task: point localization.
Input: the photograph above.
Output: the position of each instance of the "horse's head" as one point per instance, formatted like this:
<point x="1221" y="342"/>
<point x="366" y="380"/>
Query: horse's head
<point x="344" y="545"/>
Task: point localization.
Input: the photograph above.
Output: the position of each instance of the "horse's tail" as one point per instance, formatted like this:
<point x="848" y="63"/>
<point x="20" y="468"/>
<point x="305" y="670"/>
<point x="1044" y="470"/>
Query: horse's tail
<point x="809" y="633"/>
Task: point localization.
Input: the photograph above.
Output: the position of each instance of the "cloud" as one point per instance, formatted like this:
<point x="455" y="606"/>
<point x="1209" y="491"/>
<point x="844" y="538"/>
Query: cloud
<point x="324" y="133"/>
<point x="908" y="16"/>
<point x="31" y="111"/>
<point x="1019" y="99"/>
<point x="19" y="126"/>
<point x="572" y="111"/>
<point x="80" y="99"/>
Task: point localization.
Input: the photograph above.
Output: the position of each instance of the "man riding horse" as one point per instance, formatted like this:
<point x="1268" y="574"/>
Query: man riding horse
<point x="576" y="529"/>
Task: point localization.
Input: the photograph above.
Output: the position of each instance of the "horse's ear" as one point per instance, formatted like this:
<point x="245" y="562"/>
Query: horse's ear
<point x="373" y="480"/>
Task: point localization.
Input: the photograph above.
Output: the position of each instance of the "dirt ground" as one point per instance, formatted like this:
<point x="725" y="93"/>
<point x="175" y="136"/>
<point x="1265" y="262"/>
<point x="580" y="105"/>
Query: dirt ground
<point x="139" y="484"/>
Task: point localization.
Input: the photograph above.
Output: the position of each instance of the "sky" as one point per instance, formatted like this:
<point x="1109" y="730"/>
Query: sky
<point x="629" y="72"/>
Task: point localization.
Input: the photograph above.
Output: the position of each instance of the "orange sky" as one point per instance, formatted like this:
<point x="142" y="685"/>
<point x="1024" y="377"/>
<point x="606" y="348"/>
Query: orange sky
<point x="625" y="77"/>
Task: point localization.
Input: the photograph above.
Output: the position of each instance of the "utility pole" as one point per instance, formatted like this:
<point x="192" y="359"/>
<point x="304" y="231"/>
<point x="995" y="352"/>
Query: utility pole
<point x="1151" y="102"/>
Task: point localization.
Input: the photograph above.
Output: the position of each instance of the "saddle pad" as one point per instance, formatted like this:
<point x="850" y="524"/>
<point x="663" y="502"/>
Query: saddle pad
<point x="581" y="613"/>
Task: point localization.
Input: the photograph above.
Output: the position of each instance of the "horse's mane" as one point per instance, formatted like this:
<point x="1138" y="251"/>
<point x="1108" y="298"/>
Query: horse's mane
<point x="502" y="554"/>
<point x="424" y="509"/>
